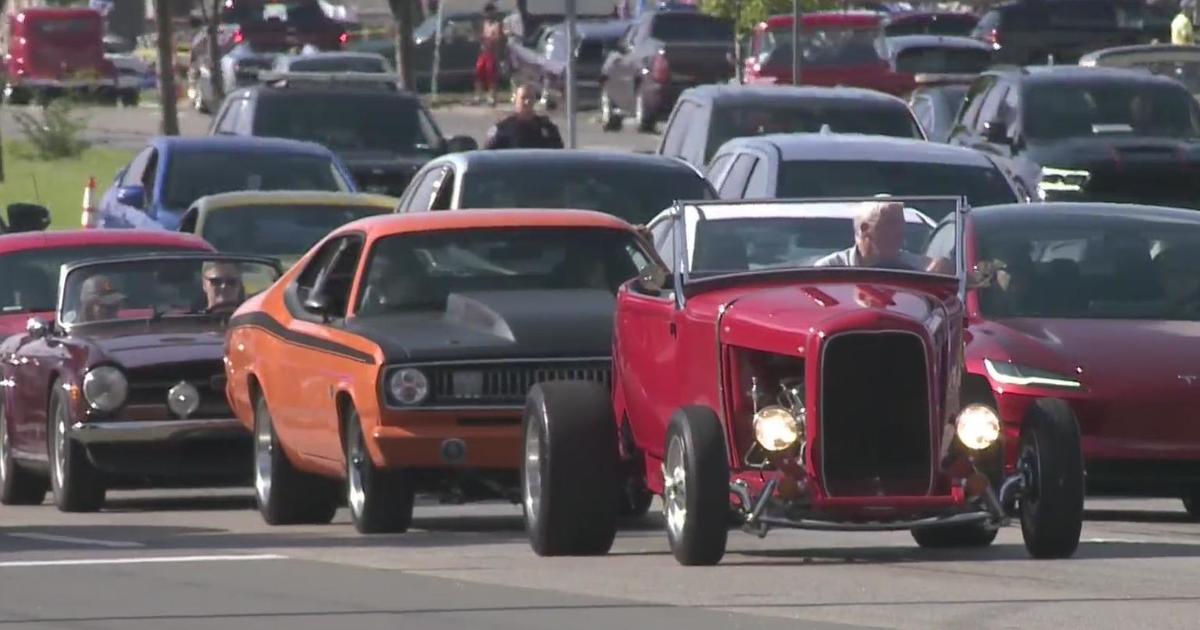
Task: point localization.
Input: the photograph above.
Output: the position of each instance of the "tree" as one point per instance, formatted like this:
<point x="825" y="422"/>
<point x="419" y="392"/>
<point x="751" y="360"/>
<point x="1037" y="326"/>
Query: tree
<point x="211" y="15"/>
<point x="404" y="12"/>
<point x="748" y="13"/>
<point x="166" y="67"/>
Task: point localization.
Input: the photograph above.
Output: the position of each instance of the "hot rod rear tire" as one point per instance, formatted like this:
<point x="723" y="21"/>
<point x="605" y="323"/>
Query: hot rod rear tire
<point x="696" y="487"/>
<point x="285" y="495"/>
<point x="380" y="500"/>
<point x="570" y="479"/>
<point x="955" y="536"/>
<point x="1051" y="460"/>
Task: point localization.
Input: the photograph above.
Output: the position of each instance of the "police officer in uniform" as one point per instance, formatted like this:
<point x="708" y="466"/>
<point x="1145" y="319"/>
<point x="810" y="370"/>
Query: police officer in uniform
<point x="524" y="129"/>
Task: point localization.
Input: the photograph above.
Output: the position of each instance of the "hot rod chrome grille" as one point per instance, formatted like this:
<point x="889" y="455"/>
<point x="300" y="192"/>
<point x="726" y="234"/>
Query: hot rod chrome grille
<point x="148" y="388"/>
<point x="875" y="435"/>
<point x="507" y="383"/>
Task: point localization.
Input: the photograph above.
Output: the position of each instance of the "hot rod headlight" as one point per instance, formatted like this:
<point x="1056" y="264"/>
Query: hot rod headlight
<point x="105" y="388"/>
<point x="978" y="427"/>
<point x="776" y="428"/>
<point x="1013" y="374"/>
<point x="408" y="386"/>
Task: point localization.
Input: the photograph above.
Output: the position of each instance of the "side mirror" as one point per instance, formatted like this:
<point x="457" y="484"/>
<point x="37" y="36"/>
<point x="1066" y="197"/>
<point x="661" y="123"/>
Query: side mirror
<point x="652" y="279"/>
<point x="458" y="144"/>
<point x="982" y="275"/>
<point x="27" y="217"/>
<point x="317" y="303"/>
<point x="132" y="196"/>
<point x="996" y="132"/>
<point x="37" y="328"/>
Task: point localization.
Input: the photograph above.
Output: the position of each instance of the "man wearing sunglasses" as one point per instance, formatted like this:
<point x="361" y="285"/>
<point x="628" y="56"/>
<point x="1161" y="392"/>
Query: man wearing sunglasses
<point x="223" y="287"/>
<point x="524" y="129"/>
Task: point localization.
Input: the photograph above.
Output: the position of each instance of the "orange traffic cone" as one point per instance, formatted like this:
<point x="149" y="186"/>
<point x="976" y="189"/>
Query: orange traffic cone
<point x="90" y="215"/>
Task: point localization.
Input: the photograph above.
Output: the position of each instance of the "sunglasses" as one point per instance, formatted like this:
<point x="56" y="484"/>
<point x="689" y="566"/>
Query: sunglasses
<point x="222" y="281"/>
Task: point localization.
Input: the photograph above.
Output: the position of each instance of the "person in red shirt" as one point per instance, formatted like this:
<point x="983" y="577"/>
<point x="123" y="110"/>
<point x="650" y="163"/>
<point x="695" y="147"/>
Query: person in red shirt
<point x="490" y="41"/>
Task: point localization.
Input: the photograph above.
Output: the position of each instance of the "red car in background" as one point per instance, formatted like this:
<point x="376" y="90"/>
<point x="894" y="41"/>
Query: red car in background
<point x="841" y="48"/>
<point x="49" y="52"/>
<point x="1098" y="305"/>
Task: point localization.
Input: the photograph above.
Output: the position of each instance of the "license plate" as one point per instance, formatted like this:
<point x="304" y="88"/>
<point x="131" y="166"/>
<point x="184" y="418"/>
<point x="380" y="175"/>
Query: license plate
<point x="468" y="384"/>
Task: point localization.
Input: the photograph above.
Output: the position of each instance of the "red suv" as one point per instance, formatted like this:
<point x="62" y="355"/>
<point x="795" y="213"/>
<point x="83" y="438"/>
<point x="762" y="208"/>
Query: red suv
<point x="52" y="51"/>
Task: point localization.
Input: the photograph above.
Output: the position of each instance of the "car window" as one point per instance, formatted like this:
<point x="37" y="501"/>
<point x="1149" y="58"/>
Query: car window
<point x="988" y="23"/>
<point x="416" y="272"/>
<point x="443" y="190"/>
<point x="133" y="174"/>
<point x="826" y="46"/>
<point x="690" y="27"/>
<point x="358" y="121"/>
<point x="759" y="179"/>
<point x="227" y="123"/>
<point x="1081" y="15"/>
<point x="695" y="137"/>
<point x="808" y="116"/>
<point x="422" y="194"/>
<point x="990" y="110"/>
<point x="922" y="108"/>
<point x="678" y="128"/>
<point x="294" y="12"/>
<point x="340" y="64"/>
<point x="244" y="122"/>
<point x="191" y="175"/>
<point x="973" y="102"/>
<point x="1053" y="111"/>
<point x="942" y="242"/>
<point x="735" y="181"/>
<point x="340" y="277"/>
<point x="716" y="166"/>
<point x="934" y="59"/>
<point x="312" y="272"/>
<point x="282" y="231"/>
<point x="148" y="177"/>
<point x="664" y="240"/>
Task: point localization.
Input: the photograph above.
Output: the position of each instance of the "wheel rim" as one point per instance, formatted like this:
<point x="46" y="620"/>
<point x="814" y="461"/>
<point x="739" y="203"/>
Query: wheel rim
<point x="605" y="106"/>
<point x="1030" y="468"/>
<point x="60" y="445"/>
<point x="640" y="109"/>
<point x="264" y="447"/>
<point x="533" y="471"/>
<point x="357" y="495"/>
<point x="3" y="447"/>
<point x="675" y="488"/>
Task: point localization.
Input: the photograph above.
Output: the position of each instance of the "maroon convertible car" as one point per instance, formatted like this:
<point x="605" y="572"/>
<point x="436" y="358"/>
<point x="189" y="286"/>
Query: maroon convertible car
<point x="1097" y="304"/>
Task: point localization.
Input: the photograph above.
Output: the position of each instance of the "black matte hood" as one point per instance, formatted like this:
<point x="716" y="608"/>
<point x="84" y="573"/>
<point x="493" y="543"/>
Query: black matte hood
<point x="497" y="324"/>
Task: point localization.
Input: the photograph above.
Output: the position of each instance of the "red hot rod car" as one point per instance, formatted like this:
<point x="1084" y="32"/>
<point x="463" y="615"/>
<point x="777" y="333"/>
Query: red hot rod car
<point x="753" y="378"/>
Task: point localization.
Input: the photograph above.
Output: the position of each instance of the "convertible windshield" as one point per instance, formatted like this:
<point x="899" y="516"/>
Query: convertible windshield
<point x="1133" y="108"/>
<point x="274" y="230"/>
<point x="1085" y="268"/>
<point x="417" y="272"/>
<point x="191" y="176"/>
<point x="628" y="190"/>
<point x="29" y="283"/>
<point x="723" y="239"/>
<point x="152" y="287"/>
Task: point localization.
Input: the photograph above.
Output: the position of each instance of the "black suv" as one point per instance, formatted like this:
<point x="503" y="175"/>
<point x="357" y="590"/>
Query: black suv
<point x="1088" y="133"/>
<point x="383" y="134"/>
<point x="705" y="117"/>
<point x="1060" y="31"/>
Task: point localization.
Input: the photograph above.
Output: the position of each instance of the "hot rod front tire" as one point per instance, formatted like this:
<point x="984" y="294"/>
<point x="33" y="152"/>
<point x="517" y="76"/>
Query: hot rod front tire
<point x="1051" y="461"/>
<point x="380" y="500"/>
<point x="696" y="487"/>
<point x="570" y="478"/>
<point x="285" y="495"/>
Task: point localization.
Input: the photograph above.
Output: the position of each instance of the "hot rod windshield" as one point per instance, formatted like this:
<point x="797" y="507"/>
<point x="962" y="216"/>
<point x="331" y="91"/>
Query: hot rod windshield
<point x="156" y="287"/>
<point x="729" y="238"/>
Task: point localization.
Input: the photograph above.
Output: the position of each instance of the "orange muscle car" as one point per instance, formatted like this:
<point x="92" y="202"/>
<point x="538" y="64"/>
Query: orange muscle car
<point x="397" y="353"/>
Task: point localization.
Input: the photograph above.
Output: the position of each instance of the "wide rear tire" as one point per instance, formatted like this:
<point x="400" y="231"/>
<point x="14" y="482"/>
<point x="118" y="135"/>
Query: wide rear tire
<point x="380" y="500"/>
<point x="1051" y="459"/>
<point x="285" y="495"/>
<point x="570" y="480"/>
<point x="696" y="487"/>
<point x="77" y="485"/>
<point x="18" y="486"/>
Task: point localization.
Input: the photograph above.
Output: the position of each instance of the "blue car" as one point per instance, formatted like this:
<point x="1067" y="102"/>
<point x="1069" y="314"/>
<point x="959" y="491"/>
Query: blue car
<point x="161" y="182"/>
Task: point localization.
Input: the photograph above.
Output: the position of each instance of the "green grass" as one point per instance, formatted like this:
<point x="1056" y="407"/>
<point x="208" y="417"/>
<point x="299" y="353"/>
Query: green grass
<point x="57" y="184"/>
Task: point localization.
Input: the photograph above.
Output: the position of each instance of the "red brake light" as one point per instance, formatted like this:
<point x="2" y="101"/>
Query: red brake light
<point x="238" y="37"/>
<point x="660" y="71"/>
<point x="344" y="37"/>
<point x="992" y="37"/>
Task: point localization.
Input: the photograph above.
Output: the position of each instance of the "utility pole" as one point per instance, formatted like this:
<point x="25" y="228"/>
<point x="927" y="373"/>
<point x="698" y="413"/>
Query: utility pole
<point x="571" y="92"/>
<point x="166" y="67"/>
<point x="796" y="15"/>
<point x="402" y="13"/>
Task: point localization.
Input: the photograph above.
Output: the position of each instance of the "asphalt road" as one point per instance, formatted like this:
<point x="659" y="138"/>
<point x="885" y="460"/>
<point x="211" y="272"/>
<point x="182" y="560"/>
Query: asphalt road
<point x="129" y="127"/>
<point x="179" y="561"/>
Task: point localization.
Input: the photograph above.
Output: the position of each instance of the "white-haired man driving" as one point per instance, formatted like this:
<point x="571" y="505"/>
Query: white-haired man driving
<point x="879" y="240"/>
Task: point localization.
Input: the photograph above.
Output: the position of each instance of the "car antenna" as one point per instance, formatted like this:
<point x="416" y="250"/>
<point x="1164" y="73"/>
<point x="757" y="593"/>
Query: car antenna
<point x="37" y="195"/>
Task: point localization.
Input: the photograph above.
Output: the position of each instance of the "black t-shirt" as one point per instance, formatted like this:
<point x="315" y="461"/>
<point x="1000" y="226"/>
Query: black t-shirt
<point x="514" y="133"/>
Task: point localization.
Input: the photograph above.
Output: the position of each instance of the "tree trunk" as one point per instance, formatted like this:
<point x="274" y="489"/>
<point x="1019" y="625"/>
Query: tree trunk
<point x="166" y="67"/>
<point x="215" y="74"/>
<point x="403" y="12"/>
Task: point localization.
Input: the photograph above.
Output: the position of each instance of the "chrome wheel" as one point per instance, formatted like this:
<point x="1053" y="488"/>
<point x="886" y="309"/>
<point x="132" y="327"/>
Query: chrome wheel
<point x="60" y="446"/>
<point x="264" y="447"/>
<point x="533" y="470"/>
<point x="357" y="494"/>
<point x="605" y="106"/>
<point x="639" y="110"/>
<point x="3" y="448"/>
<point x="675" y="488"/>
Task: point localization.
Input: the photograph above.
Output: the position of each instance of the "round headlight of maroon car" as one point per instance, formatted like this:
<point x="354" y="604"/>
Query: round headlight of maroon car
<point x="776" y="428"/>
<point x="408" y="386"/>
<point x="977" y="426"/>
<point x="105" y="388"/>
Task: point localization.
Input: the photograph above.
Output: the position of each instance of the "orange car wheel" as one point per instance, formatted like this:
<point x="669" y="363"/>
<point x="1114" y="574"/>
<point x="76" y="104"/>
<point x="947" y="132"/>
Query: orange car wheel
<point x="286" y="496"/>
<point x="380" y="500"/>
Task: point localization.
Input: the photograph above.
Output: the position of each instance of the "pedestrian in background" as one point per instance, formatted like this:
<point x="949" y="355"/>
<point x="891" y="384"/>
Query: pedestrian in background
<point x="491" y="38"/>
<point x="1182" y="27"/>
<point x="524" y="129"/>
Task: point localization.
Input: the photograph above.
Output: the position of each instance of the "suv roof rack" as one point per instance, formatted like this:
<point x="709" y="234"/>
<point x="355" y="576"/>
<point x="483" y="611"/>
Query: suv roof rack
<point x="283" y="79"/>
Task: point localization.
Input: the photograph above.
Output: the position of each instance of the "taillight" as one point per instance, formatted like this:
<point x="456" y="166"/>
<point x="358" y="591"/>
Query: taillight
<point x="659" y="70"/>
<point x="993" y="37"/>
<point x="343" y="38"/>
<point x="238" y="37"/>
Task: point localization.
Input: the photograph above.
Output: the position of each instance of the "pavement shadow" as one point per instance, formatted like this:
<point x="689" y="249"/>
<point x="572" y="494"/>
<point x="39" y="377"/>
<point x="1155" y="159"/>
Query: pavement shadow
<point x="1138" y="516"/>
<point x="179" y="504"/>
<point x="1106" y="550"/>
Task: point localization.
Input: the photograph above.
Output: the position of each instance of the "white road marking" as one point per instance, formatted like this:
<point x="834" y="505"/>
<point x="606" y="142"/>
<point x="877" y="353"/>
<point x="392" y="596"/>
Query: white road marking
<point x="115" y="544"/>
<point x="147" y="560"/>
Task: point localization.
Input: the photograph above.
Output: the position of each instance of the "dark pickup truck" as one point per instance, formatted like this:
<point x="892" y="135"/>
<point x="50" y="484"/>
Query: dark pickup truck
<point x="1061" y="31"/>
<point x="662" y="54"/>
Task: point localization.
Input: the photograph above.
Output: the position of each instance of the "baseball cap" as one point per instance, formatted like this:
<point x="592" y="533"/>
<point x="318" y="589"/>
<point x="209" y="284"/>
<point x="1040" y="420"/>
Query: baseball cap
<point x="100" y="290"/>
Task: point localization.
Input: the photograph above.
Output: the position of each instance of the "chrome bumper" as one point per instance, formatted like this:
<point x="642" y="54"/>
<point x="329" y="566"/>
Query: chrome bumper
<point x="151" y="431"/>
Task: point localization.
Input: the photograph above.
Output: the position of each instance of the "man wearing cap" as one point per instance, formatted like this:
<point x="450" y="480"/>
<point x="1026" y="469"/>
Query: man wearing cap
<point x="99" y="299"/>
<point x="878" y="242"/>
<point x="223" y="287"/>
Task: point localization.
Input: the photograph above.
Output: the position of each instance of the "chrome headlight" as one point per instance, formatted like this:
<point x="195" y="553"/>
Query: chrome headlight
<point x="408" y="386"/>
<point x="1013" y="374"/>
<point x="776" y="428"/>
<point x="977" y="426"/>
<point x="105" y="388"/>
<point x="184" y="399"/>
<point x="1061" y="180"/>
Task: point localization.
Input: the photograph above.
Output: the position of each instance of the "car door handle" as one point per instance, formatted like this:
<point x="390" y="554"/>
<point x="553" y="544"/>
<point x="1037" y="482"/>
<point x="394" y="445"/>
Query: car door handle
<point x="671" y="329"/>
